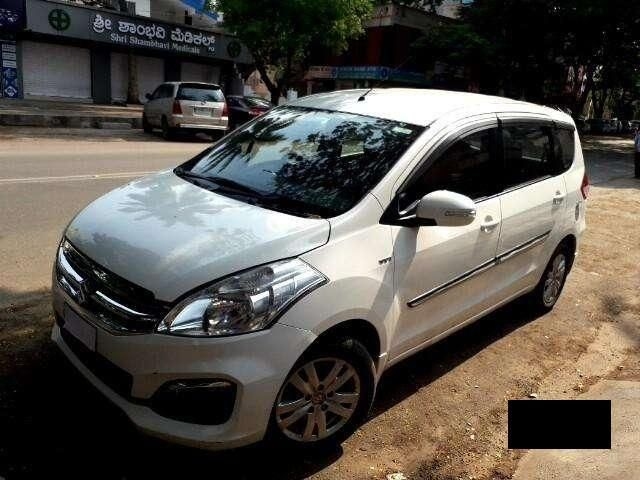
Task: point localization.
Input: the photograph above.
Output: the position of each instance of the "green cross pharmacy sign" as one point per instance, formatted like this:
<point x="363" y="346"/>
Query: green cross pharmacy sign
<point x="59" y="19"/>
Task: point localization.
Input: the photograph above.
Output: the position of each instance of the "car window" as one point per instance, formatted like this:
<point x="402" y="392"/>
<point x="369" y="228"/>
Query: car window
<point x="168" y="91"/>
<point x="564" y="148"/>
<point x="316" y="161"/>
<point x="156" y="93"/>
<point x="200" y="93"/>
<point x="232" y="101"/>
<point x="528" y="155"/>
<point x="468" y="167"/>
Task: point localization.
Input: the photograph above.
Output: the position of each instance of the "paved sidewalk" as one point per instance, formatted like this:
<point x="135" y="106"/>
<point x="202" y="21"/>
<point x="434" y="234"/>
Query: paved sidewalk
<point x="46" y="113"/>
<point x="621" y="462"/>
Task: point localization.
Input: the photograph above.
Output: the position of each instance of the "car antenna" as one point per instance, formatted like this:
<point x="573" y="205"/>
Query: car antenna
<point x="361" y="99"/>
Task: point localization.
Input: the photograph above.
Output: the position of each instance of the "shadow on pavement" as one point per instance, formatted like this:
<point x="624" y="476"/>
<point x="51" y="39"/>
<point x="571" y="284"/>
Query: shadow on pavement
<point x="55" y="424"/>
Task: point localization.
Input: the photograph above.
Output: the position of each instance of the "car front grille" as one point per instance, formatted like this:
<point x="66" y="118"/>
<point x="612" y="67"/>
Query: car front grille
<point x="119" y="305"/>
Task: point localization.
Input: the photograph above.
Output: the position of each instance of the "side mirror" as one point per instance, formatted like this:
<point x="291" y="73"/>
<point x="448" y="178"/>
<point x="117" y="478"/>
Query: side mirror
<point x="446" y="209"/>
<point x="147" y="96"/>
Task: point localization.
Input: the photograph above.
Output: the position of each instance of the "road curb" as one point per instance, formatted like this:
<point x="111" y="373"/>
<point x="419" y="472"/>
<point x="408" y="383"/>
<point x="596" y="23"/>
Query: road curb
<point x="69" y="121"/>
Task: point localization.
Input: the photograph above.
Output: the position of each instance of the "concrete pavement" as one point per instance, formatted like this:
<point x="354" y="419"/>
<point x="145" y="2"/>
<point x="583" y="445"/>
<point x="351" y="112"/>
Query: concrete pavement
<point x="621" y="462"/>
<point x="47" y="113"/>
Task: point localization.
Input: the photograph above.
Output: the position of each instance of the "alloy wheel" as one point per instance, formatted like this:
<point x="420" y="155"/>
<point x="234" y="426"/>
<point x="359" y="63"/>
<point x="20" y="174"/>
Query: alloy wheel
<point x="553" y="280"/>
<point x="318" y="399"/>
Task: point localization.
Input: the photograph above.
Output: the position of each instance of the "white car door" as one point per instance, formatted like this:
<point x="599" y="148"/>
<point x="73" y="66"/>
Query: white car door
<point x="533" y="203"/>
<point x="442" y="274"/>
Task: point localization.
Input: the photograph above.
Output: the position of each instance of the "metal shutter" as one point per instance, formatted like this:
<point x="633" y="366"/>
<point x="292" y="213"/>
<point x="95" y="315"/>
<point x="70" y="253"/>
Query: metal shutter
<point x="51" y="70"/>
<point x="119" y="76"/>
<point x="150" y="74"/>
<point x="199" y="72"/>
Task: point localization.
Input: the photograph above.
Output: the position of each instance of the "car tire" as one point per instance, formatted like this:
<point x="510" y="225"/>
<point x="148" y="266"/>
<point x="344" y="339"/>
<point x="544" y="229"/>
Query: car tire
<point x="168" y="133"/>
<point x="146" y="126"/>
<point x="550" y="286"/>
<point x="313" y="417"/>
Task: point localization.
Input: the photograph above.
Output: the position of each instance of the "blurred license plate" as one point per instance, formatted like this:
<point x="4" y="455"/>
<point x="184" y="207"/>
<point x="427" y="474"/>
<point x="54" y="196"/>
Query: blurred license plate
<point x="79" y="328"/>
<point x="203" y="111"/>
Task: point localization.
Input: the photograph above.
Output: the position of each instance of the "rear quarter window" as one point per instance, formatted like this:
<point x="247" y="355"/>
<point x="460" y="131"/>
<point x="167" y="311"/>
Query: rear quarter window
<point x="564" y="146"/>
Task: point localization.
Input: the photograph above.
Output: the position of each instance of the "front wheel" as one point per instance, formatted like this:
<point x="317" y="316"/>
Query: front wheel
<point x="146" y="126"/>
<point x="168" y="133"/>
<point x="326" y="395"/>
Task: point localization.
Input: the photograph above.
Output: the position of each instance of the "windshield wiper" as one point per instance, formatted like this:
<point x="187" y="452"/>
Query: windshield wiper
<point x="271" y="201"/>
<point x="220" y="182"/>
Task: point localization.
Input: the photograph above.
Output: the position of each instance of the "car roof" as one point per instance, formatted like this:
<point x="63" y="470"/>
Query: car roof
<point x="185" y="82"/>
<point x="417" y="106"/>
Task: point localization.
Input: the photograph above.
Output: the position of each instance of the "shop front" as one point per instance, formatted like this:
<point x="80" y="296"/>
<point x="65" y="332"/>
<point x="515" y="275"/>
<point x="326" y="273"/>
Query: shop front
<point x="12" y="20"/>
<point x="322" y="78"/>
<point x="84" y="54"/>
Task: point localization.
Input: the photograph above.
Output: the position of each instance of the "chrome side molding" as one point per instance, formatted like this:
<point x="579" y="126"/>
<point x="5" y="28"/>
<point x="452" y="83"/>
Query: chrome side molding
<point x="523" y="247"/>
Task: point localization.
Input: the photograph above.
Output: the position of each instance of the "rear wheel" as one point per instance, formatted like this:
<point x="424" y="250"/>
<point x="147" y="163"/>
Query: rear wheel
<point x="146" y="126"/>
<point x="548" y="290"/>
<point x="326" y="396"/>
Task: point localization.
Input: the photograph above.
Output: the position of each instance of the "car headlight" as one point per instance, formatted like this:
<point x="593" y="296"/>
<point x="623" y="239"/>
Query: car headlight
<point x="242" y="303"/>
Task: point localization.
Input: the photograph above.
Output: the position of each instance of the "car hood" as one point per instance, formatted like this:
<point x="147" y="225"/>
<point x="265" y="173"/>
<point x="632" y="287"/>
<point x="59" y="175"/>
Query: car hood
<point x="170" y="236"/>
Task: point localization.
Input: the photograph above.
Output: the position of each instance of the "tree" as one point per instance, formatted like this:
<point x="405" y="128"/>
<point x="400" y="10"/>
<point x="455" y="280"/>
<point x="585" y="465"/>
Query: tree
<point x="548" y="51"/>
<point x="283" y="32"/>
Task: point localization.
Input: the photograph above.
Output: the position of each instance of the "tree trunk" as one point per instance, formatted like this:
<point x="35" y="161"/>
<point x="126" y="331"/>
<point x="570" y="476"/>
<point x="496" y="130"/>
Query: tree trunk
<point x="133" y="93"/>
<point x="599" y="102"/>
<point x="274" y="89"/>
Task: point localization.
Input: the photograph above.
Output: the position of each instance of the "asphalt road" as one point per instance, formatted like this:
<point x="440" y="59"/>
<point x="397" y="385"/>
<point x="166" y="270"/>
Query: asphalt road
<point x="46" y="177"/>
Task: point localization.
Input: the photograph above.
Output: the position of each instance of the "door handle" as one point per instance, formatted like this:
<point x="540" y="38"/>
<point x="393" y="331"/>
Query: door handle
<point x="559" y="198"/>
<point x="489" y="224"/>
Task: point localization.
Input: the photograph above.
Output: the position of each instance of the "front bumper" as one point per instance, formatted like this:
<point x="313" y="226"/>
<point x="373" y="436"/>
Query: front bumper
<point x="256" y="364"/>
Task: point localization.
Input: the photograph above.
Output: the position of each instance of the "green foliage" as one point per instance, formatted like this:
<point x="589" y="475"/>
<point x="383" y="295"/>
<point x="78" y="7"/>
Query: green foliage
<point x="525" y="48"/>
<point x="283" y="32"/>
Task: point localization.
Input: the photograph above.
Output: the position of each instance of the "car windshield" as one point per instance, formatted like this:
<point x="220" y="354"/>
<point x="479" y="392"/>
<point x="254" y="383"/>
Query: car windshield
<point x="200" y="93"/>
<point x="304" y="161"/>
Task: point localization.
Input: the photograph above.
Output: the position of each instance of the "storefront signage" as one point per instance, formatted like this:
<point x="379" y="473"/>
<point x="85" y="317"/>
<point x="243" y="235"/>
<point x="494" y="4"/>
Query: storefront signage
<point x="59" y="19"/>
<point x="128" y="31"/>
<point x="137" y="33"/>
<point x="377" y="72"/>
<point x="320" y="72"/>
<point x="9" y="81"/>
<point x="12" y="17"/>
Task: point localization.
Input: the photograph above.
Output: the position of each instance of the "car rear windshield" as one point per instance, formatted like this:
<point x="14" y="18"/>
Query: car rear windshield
<point x="305" y="161"/>
<point x="200" y="93"/>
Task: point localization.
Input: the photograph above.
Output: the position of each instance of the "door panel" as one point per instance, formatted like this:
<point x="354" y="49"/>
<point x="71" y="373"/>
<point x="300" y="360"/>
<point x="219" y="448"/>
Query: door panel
<point x="440" y="271"/>
<point x="534" y="204"/>
<point x="531" y="212"/>
<point x="440" y="274"/>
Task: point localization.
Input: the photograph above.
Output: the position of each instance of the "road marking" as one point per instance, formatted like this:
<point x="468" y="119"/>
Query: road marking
<point x="71" y="178"/>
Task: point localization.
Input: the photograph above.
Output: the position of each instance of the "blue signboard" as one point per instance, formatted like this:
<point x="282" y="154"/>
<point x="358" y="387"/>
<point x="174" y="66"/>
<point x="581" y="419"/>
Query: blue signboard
<point x="12" y="17"/>
<point x="9" y="80"/>
<point x="377" y="72"/>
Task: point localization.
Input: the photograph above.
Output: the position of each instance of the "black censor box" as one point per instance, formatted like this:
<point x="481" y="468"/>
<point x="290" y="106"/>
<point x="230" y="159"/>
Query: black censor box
<point x="561" y="424"/>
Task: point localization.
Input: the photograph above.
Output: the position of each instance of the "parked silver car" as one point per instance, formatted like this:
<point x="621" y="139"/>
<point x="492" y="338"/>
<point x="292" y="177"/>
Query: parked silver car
<point x="186" y="106"/>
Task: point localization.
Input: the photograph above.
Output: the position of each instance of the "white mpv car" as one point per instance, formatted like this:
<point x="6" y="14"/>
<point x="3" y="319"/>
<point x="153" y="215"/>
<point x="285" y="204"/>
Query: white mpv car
<point x="263" y="287"/>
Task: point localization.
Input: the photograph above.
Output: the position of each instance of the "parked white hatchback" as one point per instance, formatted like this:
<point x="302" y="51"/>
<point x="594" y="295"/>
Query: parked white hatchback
<point x="263" y="287"/>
